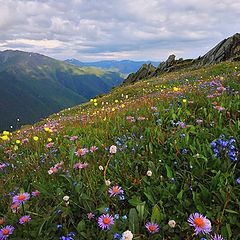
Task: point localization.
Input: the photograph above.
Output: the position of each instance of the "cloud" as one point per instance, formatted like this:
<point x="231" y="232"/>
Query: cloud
<point x="111" y="29"/>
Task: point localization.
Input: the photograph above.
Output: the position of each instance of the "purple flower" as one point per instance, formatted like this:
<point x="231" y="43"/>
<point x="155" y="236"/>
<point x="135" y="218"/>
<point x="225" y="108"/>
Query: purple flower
<point x="6" y="231"/>
<point x="217" y="237"/>
<point x="21" y="197"/>
<point x="152" y="227"/>
<point x="115" y="190"/>
<point x="104" y="221"/>
<point x="73" y="138"/>
<point x="201" y="223"/>
<point x="238" y="180"/>
<point x="35" y="193"/>
<point x="81" y="151"/>
<point x="24" y="219"/>
<point x="93" y="148"/>
<point x="90" y="215"/>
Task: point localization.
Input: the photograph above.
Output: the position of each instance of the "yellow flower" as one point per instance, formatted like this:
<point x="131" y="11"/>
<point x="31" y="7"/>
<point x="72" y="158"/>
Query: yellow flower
<point x="17" y="141"/>
<point x="184" y="100"/>
<point x="95" y="104"/>
<point x="95" y="100"/>
<point x="4" y="137"/>
<point x="113" y="109"/>
<point x="116" y="101"/>
<point x="35" y="138"/>
<point x="49" y="139"/>
<point x="91" y="100"/>
<point x="123" y="106"/>
<point x="5" y="133"/>
<point x="46" y="129"/>
<point x="50" y="130"/>
<point x="175" y="89"/>
<point x="15" y="147"/>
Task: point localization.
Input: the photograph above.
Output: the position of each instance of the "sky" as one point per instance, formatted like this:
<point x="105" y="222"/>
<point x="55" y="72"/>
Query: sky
<point x="93" y="30"/>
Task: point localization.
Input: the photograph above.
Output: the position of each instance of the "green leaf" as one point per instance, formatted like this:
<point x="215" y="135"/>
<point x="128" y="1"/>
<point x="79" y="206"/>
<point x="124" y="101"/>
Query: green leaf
<point x="133" y="221"/>
<point x="140" y="209"/>
<point x="179" y="196"/>
<point x="231" y="211"/>
<point x="169" y="171"/>
<point x="81" y="226"/>
<point x="156" y="214"/>
<point x="135" y="200"/>
<point x="42" y="188"/>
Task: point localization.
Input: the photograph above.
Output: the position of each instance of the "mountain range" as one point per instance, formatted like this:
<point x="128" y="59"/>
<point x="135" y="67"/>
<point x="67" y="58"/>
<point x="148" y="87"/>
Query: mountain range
<point x="34" y="86"/>
<point x="124" y="66"/>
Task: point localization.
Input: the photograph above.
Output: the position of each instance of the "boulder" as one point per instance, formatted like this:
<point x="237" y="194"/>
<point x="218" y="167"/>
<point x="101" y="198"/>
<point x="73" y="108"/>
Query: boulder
<point x="225" y="50"/>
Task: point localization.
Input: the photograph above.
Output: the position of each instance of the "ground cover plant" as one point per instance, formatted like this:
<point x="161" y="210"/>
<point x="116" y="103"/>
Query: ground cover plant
<point x="154" y="160"/>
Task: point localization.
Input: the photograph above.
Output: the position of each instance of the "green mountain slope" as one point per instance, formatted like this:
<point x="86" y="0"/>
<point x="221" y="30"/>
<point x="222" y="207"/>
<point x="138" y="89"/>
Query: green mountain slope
<point x="34" y="86"/>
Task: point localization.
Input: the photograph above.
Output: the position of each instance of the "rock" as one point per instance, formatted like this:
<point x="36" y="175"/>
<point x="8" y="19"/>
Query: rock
<point x="225" y="50"/>
<point x="164" y="66"/>
<point x="144" y="72"/>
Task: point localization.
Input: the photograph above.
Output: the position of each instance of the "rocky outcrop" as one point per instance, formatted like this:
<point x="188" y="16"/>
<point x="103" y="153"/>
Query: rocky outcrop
<point x="164" y="66"/>
<point x="144" y="72"/>
<point x="225" y="50"/>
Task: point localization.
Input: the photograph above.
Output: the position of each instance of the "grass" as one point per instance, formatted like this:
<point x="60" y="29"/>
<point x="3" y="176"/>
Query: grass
<point x="177" y="139"/>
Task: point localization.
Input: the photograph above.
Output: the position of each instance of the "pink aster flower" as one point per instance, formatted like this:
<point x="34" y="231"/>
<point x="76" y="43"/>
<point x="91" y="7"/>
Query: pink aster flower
<point x="82" y="165"/>
<point x="73" y="138"/>
<point x="2" y="221"/>
<point x="24" y="219"/>
<point x="141" y="118"/>
<point x="201" y="223"/>
<point x="90" y="215"/>
<point x="6" y="231"/>
<point x="152" y="227"/>
<point x="93" y="148"/>
<point x="21" y="197"/>
<point x="115" y="190"/>
<point x="76" y="165"/>
<point x="35" y="193"/>
<point x="216" y="237"/>
<point x="199" y="121"/>
<point x="104" y="221"/>
<point x="219" y="108"/>
<point x="154" y="108"/>
<point x="81" y="151"/>
<point x="49" y="144"/>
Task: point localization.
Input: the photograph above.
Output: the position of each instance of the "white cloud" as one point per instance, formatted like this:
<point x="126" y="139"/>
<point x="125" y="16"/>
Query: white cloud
<point x="134" y="29"/>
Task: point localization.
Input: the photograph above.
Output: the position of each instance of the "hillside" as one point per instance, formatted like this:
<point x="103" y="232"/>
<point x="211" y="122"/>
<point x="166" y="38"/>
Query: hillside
<point x="158" y="157"/>
<point x="34" y="86"/>
<point x="124" y="66"/>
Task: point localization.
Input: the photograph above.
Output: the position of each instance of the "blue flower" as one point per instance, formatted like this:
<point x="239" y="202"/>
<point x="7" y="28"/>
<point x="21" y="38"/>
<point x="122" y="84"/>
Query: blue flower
<point x="124" y="217"/>
<point x="106" y="209"/>
<point x="116" y="216"/>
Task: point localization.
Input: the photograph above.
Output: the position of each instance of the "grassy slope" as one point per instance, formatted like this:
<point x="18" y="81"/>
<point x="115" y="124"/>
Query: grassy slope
<point x="34" y="86"/>
<point x="173" y="141"/>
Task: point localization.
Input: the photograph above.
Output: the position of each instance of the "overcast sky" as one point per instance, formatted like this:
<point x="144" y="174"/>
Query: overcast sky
<point x="91" y="30"/>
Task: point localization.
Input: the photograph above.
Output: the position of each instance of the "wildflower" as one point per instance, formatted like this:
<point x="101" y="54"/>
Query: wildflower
<point x="5" y="133"/>
<point x="100" y="168"/>
<point x="149" y="173"/>
<point x="201" y="224"/>
<point x="154" y="108"/>
<point x="238" y="180"/>
<point x="199" y="121"/>
<point x="115" y="190"/>
<point x="2" y="221"/>
<point x="21" y="197"/>
<point x="17" y="141"/>
<point x="24" y="219"/>
<point x="113" y="149"/>
<point x="4" y="137"/>
<point x="73" y="138"/>
<point x="124" y="217"/>
<point x="127" y="235"/>
<point x="106" y="209"/>
<point x="172" y="223"/>
<point x="216" y="237"/>
<point x="35" y="138"/>
<point x="141" y="118"/>
<point x="219" y="108"/>
<point x="81" y="151"/>
<point x="107" y="182"/>
<point x="66" y="198"/>
<point x="58" y="164"/>
<point x="152" y="227"/>
<point x="59" y="226"/>
<point x="104" y="221"/>
<point x="90" y="215"/>
<point x="35" y="193"/>
<point x="93" y="148"/>
<point x="83" y="165"/>
<point x="50" y="172"/>
<point x="184" y="100"/>
<point x="6" y="231"/>
<point x="49" y="144"/>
